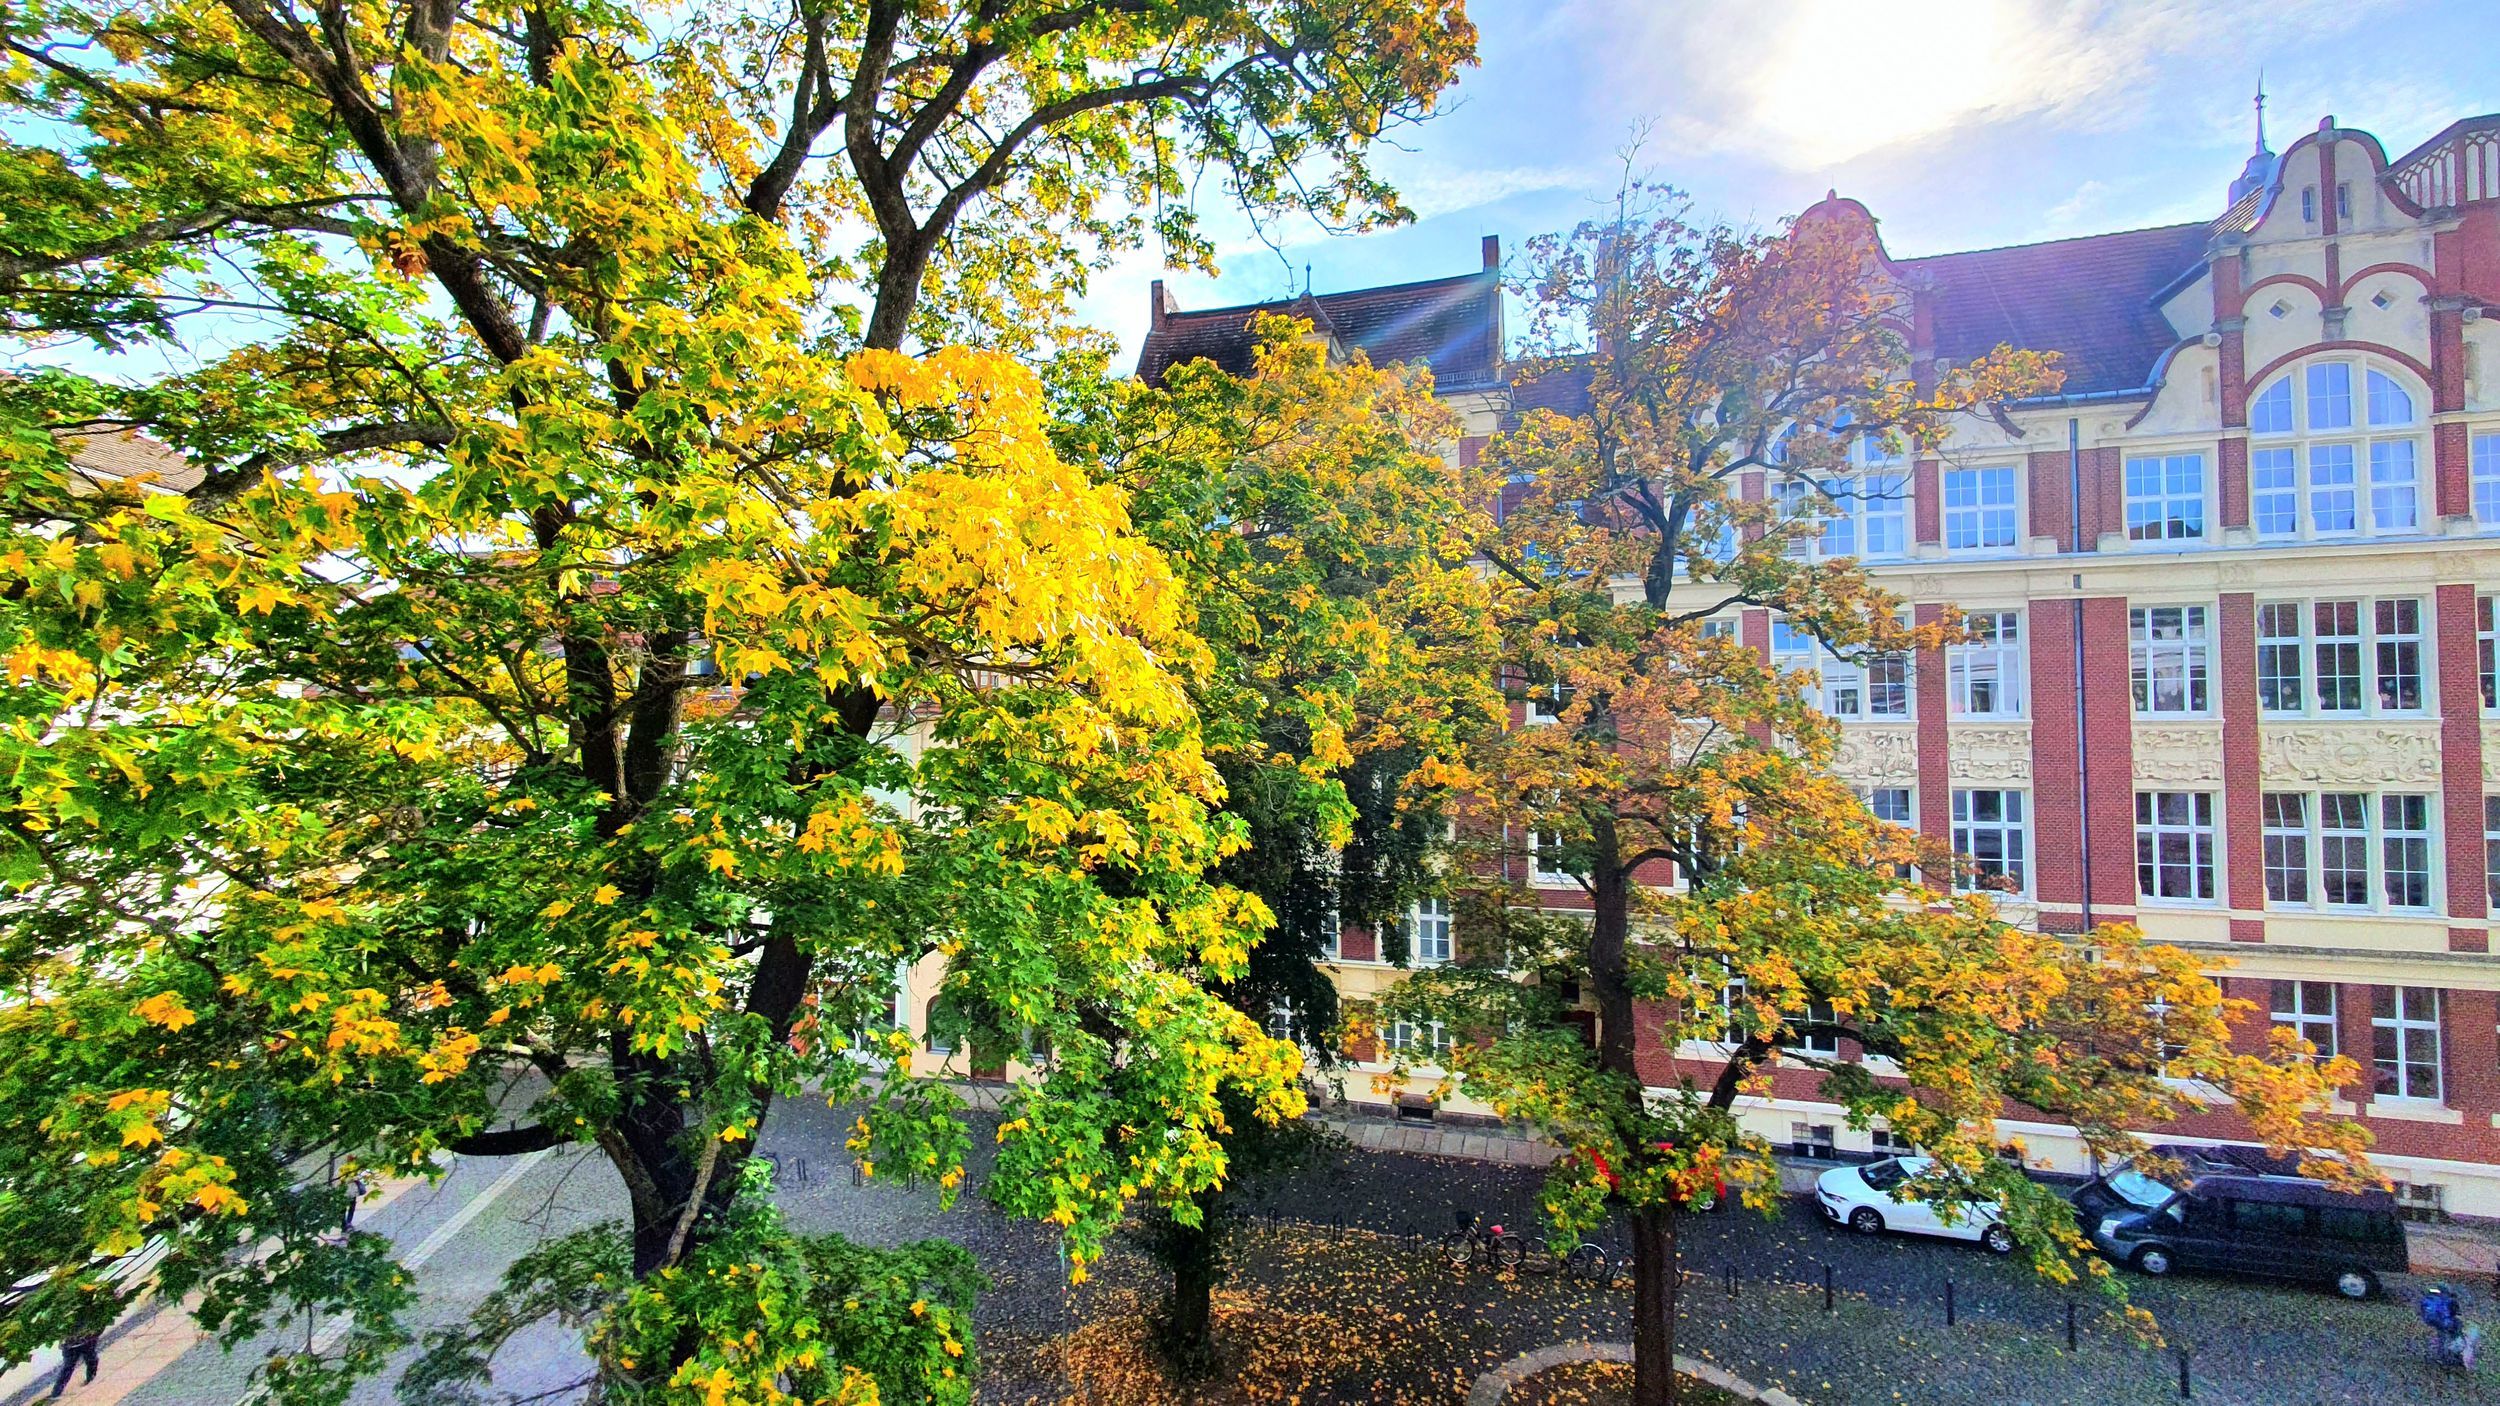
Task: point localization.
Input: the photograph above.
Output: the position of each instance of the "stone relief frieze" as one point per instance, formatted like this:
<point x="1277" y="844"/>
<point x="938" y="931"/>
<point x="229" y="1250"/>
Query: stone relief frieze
<point x="1877" y="754"/>
<point x="1989" y="753"/>
<point x="2176" y="753"/>
<point x="2364" y="756"/>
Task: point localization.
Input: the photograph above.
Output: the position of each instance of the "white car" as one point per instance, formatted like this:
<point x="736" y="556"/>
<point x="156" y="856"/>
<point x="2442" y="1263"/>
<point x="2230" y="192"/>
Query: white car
<point x="1864" y="1199"/>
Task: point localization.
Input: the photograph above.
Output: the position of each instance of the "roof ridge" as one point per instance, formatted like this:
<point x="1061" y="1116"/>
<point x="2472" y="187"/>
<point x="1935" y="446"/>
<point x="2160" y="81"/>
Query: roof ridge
<point x="1290" y="299"/>
<point x="2062" y="239"/>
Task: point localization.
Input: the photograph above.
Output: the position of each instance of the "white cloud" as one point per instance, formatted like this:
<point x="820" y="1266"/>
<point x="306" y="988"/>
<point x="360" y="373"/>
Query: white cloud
<point x="1433" y="188"/>
<point x="1809" y="84"/>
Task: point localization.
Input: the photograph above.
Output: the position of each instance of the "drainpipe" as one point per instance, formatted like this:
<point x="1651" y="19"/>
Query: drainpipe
<point x="2083" y="749"/>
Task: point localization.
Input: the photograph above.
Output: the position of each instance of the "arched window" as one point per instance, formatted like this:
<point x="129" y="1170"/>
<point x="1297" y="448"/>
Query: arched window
<point x="942" y="1026"/>
<point x="2335" y="450"/>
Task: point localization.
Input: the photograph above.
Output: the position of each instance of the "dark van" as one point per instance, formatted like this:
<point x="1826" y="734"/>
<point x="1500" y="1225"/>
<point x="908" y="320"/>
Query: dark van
<point x="2241" y="1211"/>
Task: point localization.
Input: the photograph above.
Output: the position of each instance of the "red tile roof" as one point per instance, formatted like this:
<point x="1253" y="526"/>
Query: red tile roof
<point x="1453" y="325"/>
<point x="2088" y="299"/>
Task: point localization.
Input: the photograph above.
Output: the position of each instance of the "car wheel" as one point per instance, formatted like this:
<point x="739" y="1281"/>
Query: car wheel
<point x="1866" y="1220"/>
<point x="1997" y="1240"/>
<point x="2152" y="1260"/>
<point x="2356" y="1284"/>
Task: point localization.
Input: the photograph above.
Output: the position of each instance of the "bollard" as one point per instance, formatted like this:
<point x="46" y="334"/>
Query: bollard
<point x="1827" y="1288"/>
<point x="2070" y="1325"/>
<point x="1948" y="1303"/>
<point x="1731" y="1281"/>
<point x="2184" y="1390"/>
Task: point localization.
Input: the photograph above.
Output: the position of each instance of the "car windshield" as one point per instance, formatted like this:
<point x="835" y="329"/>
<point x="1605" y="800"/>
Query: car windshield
<point x="2137" y="1189"/>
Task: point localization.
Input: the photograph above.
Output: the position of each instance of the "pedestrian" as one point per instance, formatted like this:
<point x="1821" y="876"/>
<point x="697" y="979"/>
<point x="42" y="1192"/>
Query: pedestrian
<point x="78" y="1348"/>
<point x="355" y="1193"/>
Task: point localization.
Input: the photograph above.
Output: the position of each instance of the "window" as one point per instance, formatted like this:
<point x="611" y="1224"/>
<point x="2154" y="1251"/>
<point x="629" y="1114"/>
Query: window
<point x="2286" y="817"/>
<point x="2166" y="658"/>
<point x="2484" y="461"/>
<point x="2356" y="657"/>
<point x="2174" y="844"/>
<point x="2336" y="450"/>
<point x="1545" y="859"/>
<point x="1877" y="688"/>
<point x="1864" y="515"/>
<point x="1986" y="670"/>
<point x="2309" y="204"/>
<point x="2491" y="851"/>
<point x="1979" y="509"/>
<point x="2405" y="846"/>
<point x="2166" y="498"/>
<point x="2344" y="849"/>
<point x="1428" y="932"/>
<point x="1408" y="1038"/>
<point x="1821" y="1044"/>
<point x="1988" y="831"/>
<point x="1891" y="805"/>
<point x="2307" y="1009"/>
<point x="1332" y="935"/>
<point x="2484" y="640"/>
<point x="941" y="1025"/>
<point x="1720" y="629"/>
<point x="2369" y="852"/>
<point x="2404" y="1041"/>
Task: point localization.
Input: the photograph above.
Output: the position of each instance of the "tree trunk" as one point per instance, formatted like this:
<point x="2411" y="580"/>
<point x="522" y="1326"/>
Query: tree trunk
<point x="1653" y="1227"/>
<point x="1654" y="1282"/>
<point x="1196" y="1256"/>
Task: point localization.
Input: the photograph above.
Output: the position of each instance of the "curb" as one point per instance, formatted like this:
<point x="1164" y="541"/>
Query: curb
<point x="1496" y="1384"/>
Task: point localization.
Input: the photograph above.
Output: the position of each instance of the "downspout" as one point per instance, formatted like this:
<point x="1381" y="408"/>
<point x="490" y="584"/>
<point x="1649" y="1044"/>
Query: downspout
<point x="2083" y="749"/>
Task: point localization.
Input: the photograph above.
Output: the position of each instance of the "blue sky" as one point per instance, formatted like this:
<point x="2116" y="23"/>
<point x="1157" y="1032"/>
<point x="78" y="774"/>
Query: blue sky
<point x="1960" y="123"/>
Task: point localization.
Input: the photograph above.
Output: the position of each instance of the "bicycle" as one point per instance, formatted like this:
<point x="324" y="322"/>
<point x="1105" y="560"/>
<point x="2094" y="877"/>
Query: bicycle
<point x="1494" y="1247"/>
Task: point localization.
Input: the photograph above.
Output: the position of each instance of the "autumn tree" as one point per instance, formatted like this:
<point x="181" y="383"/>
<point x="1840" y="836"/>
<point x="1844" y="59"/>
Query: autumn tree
<point x="372" y="785"/>
<point x="1322" y="531"/>
<point x="1742" y="907"/>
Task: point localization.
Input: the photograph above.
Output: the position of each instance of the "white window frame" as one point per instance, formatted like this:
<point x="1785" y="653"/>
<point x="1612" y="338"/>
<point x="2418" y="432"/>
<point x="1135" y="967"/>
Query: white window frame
<point x="1851" y="511"/>
<point x="1845" y="691"/>
<point x="2167" y="497"/>
<point x="2377" y="643"/>
<point x="2482" y="459"/>
<point x="2011" y="827"/>
<point x="2491" y="852"/>
<point x="1538" y="874"/>
<point x="1907" y="820"/>
<point x="2487" y="652"/>
<point x="2307" y="1009"/>
<point x="1404" y="1037"/>
<point x="1982" y="519"/>
<point x="2190" y="651"/>
<point x="2377" y="448"/>
<point x="2373" y="839"/>
<point x="2393" y="1018"/>
<point x="1997" y="650"/>
<point x="2164" y="819"/>
<point x="2290" y="850"/>
<point x="1436" y="912"/>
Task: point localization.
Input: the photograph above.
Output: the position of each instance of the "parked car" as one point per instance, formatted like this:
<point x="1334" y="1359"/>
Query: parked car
<point x="2244" y="1212"/>
<point x="1867" y="1200"/>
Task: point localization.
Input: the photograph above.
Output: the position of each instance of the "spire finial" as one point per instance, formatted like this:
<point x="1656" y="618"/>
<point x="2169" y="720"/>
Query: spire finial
<point x="2261" y="112"/>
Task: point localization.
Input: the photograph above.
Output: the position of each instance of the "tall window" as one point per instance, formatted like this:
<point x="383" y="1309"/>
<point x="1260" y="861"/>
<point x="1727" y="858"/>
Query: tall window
<point x="2349" y="849"/>
<point x="1413" y="1040"/>
<point x="2307" y="1009"/>
<point x="2286" y="816"/>
<point x="2167" y="659"/>
<point x="1859" y="515"/>
<point x="2484" y="460"/>
<point x="1979" y="509"/>
<point x="1876" y="688"/>
<point x="2491" y="851"/>
<point x="2339" y="657"/>
<point x="2487" y="652"/>
<point x="1332" y="934"/>
<point x="2404" y="1040"/>
<point x="1822" y="1044"/>
<point x="1428" y="932"/>
<point x="1986" y="670"/>
<point x="1545" y="858"/>
<point x="1892" y="805"/>
<point x="2405" y="849"/>
<point x="2335" y="450"/>
<point x="2174" y="844"/>
<point x="1988" y="830"/>
<point x="2166" y="498"/>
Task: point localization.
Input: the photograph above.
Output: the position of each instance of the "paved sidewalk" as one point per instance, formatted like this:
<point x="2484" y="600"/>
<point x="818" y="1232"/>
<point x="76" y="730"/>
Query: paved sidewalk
<point x="1499" y="1145"/>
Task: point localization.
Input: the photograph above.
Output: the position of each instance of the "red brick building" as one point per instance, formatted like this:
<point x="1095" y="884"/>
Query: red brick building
<point x="2235" y="591"/>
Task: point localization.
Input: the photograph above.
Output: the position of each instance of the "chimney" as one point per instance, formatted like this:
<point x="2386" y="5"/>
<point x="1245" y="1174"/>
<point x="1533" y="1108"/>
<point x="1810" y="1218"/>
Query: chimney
<point x="1493" y="251"/>
<point x="1160" y="305"/>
